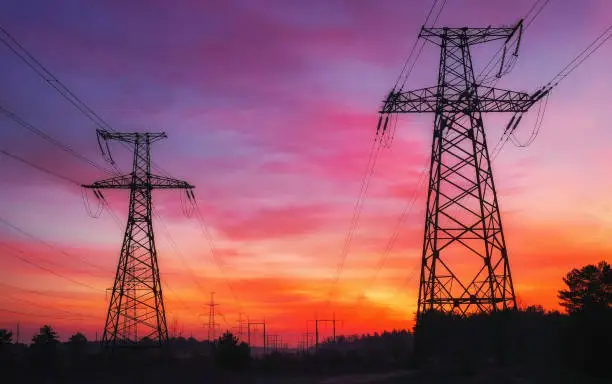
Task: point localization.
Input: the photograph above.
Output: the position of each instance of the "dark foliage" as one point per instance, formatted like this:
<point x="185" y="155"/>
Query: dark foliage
<point x="230" y="353"/>
<point x="78" y="340"/>
<point x="511" y="338"/>
<point x="588" y="299"/>
<point x="6" y="336"/>
<point x="532" y="337"/>
<point x="588" y="289"/>
<point x="45" y="338"/>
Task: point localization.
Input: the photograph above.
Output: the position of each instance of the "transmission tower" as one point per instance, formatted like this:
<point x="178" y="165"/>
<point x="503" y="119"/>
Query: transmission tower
<point x="211" y="317"/>
<point x="136" y="308"/>
<point x="464" y="266"/>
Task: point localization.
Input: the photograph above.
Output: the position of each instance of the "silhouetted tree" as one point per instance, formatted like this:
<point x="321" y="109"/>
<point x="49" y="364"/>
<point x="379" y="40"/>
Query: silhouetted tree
<point x="589" y="288"/>
<point x="78" y="339"/>
<point x="46" y="336"/>
<point x="6" y="337"/>
<point x="44" y="351"/>
<point x="77" y="344"/>
<point x="588" y="301"/>
<point x="229" y="353"/>
<point x="146" y="341"/>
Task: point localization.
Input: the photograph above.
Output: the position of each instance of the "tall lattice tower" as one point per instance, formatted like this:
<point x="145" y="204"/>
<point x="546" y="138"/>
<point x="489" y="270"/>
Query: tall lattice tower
<point x="212" y="325"/>
<point x="464" y="266"/>
<point x="136" y="310"/>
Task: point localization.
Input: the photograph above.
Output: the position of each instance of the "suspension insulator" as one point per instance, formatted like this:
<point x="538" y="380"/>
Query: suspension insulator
<point x="385" y="126"/>
<point x="517" y="123"/>
<point x="510" y="123"/>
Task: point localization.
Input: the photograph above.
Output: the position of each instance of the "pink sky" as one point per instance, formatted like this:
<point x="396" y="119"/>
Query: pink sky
<point x="270" y="109"/>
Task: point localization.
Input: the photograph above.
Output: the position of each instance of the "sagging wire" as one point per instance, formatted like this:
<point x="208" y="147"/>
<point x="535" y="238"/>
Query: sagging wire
<point x="106" y="155"/>
<point x="506" y="136"/>
<point x="188" y="204"/>
<point x="505" y="69"/>
<point x="553" y="83"/>
<point x="536" y="128"/>
<point x="100" y="206"/>
<point x="506" y="65"/>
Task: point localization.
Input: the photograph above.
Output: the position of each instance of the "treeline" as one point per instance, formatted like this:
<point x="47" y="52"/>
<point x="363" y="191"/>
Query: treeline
<point x="533" y="339"/>
<point x="530" y="341"/>
<point x="188" y="359"/>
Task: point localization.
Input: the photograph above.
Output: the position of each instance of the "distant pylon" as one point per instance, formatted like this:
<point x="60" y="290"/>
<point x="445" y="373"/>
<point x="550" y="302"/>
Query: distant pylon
<point x="464" y="265"/>
<point x="211" y="318"/>
<point x="240" y="327"/>
<point x="136" y="309"/>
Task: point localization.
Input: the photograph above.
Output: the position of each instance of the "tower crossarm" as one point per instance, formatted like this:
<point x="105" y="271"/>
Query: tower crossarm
<point x="162" y="182"/>
<point x="488" y="99"/>
<point x="130" y="182"/>
<point x="502" y="100"/>
<point x="131" y="137"/>
<point x="469" y="36"/>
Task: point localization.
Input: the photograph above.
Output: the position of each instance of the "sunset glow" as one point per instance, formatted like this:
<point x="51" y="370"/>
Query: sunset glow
<point x="270" y="109"/>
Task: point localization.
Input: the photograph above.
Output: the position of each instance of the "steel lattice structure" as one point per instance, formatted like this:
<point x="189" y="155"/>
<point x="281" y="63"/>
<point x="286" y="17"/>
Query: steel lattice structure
<point x="462" y="219"/>
<point x="136" y="310"/>
<point x="212" y="325"/>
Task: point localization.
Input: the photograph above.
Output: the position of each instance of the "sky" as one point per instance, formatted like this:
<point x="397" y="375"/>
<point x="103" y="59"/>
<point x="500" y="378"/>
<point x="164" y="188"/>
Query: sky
<point x="270" y="109"/>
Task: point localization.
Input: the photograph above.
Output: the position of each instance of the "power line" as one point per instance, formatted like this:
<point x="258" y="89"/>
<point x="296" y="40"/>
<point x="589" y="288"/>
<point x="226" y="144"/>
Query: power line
<point x="21" y="52"/>
<point x="370" y="167"/>
<point x="213" y="251"/>
<point x="177" y="252"/>
<point x="32" y="291"/>
<point x="536" y="128"/>
<point x="65" y="92"/>
<point x="553" y="83"/>
<point x="53" y="81"/>
<point x="41" y="169"/>
<point x="174" y="246"/>
<point x="37" y="315"/>
<point x="412" y="50"/>
<point x="570" y="67"/>
<point x="76" y="314"/>
<point x="357" y="209"/>
<point x="179" y="300"/>
<point x="50" y="139"/>
<point x="496" y="57"/>
<point x="400" y="223"/>
<point x="72" y="181"/>
<point x="68" y="150"/>
<point x="536" y="14"/>
<point x="582" y="56"/>
<point x="25" y="260"/>
<point x="62" y="177"/>
<point x="49" y="245"/>
<point x="422" y="43"/>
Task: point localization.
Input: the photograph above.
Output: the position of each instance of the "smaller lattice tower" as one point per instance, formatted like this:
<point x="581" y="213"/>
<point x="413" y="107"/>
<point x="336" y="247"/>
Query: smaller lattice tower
<point x="212" y="326"/>
<point x="136" y="309"/>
